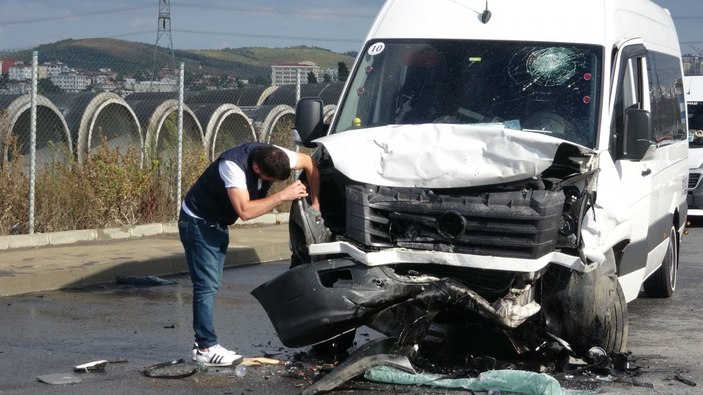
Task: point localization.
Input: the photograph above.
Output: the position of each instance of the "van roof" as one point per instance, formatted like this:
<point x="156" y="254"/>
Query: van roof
<point x="599" y="22"/>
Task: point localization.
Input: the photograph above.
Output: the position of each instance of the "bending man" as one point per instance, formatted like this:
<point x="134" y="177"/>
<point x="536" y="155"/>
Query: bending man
<point x="234" y="186"/>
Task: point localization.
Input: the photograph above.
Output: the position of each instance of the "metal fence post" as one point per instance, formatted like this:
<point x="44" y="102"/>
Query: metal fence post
<point x="179" y="171"/>
<point x="33" y="140"/>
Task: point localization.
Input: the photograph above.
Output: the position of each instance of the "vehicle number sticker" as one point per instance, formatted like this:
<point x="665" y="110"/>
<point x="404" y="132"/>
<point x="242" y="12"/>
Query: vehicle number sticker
<point x="376" y="49"/>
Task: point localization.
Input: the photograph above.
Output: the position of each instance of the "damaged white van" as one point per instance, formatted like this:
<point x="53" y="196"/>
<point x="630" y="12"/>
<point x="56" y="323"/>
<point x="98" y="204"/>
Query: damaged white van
<point x="517" y="166"/>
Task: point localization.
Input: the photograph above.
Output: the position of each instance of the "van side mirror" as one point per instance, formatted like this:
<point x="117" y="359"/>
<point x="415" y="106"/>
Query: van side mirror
<point x="637" y="138"/>
<point x="309" y="123"/>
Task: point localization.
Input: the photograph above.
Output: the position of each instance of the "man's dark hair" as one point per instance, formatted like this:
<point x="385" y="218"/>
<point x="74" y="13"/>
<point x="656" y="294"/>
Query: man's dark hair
<point x="272" y="162"/>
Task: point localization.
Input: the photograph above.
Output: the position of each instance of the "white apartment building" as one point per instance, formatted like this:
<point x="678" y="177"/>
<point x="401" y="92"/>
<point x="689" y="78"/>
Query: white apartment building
<point x="20" y="72"/>
<point x="70" y="82"/>
<point x="56" y="67"/>
<point x="164" y="85"/>
<point x="287" y="74"/>
<point x="19" y="87"/>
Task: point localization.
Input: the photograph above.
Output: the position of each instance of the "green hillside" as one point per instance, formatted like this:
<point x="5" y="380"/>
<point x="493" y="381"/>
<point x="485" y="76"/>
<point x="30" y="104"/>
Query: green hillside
<point x="131" y="58"/>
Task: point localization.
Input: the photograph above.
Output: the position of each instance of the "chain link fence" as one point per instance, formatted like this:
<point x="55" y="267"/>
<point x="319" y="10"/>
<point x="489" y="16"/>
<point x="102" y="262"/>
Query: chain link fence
<point x="94" y="149"/>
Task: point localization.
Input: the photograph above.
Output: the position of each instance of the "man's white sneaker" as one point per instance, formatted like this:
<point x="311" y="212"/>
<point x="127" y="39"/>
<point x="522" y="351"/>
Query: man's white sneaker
<point x="217" y="356"/>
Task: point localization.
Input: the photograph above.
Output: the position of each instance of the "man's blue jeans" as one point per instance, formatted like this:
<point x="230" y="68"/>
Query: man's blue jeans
<point x="205" y="244"/>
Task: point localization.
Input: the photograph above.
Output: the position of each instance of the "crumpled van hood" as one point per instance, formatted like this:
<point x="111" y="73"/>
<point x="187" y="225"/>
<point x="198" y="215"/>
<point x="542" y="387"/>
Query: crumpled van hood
<point x="441" y="155"/>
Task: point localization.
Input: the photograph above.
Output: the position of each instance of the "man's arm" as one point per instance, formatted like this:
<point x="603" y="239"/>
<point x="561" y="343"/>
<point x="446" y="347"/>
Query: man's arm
<point x="307" y="164"/>
<point x="247" y="209"/>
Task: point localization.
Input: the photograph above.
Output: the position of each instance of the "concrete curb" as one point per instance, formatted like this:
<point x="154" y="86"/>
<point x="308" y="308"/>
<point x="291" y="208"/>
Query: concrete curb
<point x="52" y="267"/>
<point x="120" y="233"/>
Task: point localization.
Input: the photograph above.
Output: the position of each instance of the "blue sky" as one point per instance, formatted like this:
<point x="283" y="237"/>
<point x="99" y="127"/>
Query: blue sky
<point x="338" y="25"/>
<point x="195" y="24"/>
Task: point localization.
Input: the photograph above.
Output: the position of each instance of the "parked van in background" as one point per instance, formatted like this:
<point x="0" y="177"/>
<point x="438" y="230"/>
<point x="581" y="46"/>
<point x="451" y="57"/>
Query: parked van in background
<point x="513" y="165"/>
<point x="694" y="101"/>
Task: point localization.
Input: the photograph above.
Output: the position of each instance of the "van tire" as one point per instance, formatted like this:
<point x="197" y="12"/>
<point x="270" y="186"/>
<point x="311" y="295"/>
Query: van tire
<point x="586" y="309"/>
<point x="662" y="283"/>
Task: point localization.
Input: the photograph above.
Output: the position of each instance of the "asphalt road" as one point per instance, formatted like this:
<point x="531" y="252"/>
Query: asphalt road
<point x="135" y="326"/>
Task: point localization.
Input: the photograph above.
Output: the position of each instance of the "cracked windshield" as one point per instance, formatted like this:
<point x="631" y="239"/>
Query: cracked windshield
<point x="534" y="87"/>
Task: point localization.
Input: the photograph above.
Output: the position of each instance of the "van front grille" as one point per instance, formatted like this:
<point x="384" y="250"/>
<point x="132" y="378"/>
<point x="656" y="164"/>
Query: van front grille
<point x="521" y="224"/>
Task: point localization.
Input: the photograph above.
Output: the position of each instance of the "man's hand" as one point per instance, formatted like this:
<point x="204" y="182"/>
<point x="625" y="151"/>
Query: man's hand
<point x="306" y="163"/>
<point x="294" y="191"/>
<point x="247" y="209"/>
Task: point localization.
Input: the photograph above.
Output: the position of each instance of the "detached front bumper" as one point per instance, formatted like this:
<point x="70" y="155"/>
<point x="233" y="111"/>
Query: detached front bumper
<point x="315" y="302"/>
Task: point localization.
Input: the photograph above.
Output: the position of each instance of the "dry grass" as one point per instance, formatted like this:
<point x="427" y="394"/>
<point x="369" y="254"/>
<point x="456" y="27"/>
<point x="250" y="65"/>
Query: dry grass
<point x="14" y="186"/>
<point x="111" y="189"/>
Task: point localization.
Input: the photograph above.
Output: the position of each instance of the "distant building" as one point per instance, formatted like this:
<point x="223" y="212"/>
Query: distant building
<point x="692" y="65"/>
<point x="19" y="87"/>
<point x="71" y="81"/>
<point x="333" y="73"/>
<point x="165" y="85"/>
<point x="287" y="74"/>
<point x="104" y="79"/>
<point x="20" y="72"/>
<point x="55" y="67"/>
<point x="5" y="65"/>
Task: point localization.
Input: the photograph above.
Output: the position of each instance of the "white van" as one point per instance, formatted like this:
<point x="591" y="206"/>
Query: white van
<point x="516" y="163"/>
<point x="694" y="101"/>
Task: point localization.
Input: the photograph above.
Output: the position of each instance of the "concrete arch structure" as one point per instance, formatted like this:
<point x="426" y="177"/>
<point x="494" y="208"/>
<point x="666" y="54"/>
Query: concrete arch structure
<point x="286" y="94"/>
<point x="328" y="112"/>
<point x="160" y="140"/>
<point x="213" y="120"/>
<point x="94" y="116"/>
<point x="249" y="95"/>
<point x="331" y="93"/>
<point x="226" y="125"/>
<point x="269" y="119"/>
<point x="53" y="139"/>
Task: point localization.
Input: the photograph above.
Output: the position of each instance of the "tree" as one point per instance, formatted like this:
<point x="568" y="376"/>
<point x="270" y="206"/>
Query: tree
<point x="342" y="71"/>
<point x="327" y="78"/>
<point x="312" y="79"/>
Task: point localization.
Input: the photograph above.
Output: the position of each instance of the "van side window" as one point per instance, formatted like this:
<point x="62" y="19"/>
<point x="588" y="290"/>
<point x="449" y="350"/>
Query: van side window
<point x="630" y="94"/>
<point x="666" y="98"/>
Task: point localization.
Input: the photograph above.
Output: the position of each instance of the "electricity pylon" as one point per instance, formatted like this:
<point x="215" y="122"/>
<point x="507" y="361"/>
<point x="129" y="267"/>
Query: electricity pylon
<point x="163" y="30"/>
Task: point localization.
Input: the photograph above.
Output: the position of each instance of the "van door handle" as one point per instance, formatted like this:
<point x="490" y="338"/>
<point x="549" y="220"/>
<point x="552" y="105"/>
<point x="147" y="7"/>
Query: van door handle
<point x="646" y="172"/>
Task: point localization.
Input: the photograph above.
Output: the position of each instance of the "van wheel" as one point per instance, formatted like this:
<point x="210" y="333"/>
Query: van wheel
<point x="586" y="309"/>
<point x="662" y="283"/>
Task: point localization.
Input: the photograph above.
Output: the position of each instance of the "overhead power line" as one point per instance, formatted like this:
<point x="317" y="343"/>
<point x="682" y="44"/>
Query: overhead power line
<point x="275" y="10"/>
<point x="78" y="14"/>
<point x="274" y="36"/>
<point x="150" y="4"/>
